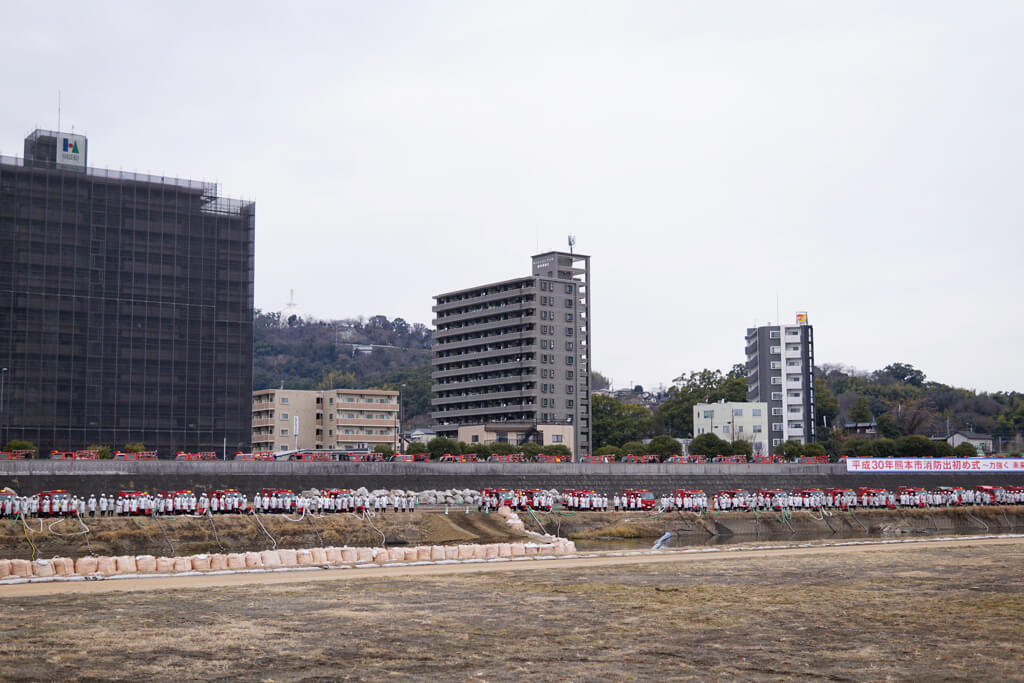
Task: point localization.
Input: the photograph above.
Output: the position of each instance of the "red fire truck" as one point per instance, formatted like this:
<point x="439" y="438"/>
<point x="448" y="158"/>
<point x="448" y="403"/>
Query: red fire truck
<point x="465" y="457"/>
<point x="53" y="500"/>
<point x="506" y="457"/>
<point x="730" y="458"/>
<point x="641" y="459"/>
<point x="504" y="496"/>
<point x="646" y="498"/>
<point x="553" y="458"/>
<point x="126" y="497"/>
<point x="598" y="458"/>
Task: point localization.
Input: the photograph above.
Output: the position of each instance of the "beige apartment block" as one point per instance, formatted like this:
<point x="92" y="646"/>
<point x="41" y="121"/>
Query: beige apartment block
<point x="335" y="419"/>
<point x="517" y="434"/>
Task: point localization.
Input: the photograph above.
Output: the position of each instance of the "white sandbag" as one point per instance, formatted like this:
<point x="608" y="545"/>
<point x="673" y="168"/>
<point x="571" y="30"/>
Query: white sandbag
<point x="145" y="564"/>
<point x="125" y="564"/>
<point x="43" y="568"/>
<point x="271" y="559"/>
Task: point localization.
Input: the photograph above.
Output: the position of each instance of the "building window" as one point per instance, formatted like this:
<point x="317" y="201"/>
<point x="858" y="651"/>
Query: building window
<point x="773" y="334"/>
<point x="568" y="346"/>
<point x="568" y="289"/>
<point x="544" y="358"/>
<point x="330" y="401"/>
<point x="568" y="388"/>
<point x="568" y="303"/>
<point x="776" y="442"/>
<point x="568" y="360"/>
<point x="284" y="399"/>
<point x="757" y="428"/>
<point x="794" y="409"/>
<point x="776" y="395"/>
<point x="556" y="438"/>
<point x="776" y="380"/>
<point x="776" y="411"/>
<point x="283" y="447"/>
<point x="737" y="412"/>
<point x="568" y="332"/>
<point x="709" y="414"/>
<point x="568" y="317"/>
<point x="796" y="425"/>
<point x="570" y="404"/>
<point x="776" y="365"/>
<point x="284" y="432"/>
<point x="476" y="437"/>
<point x="776" y="426"/>
<point x="284" y="416"/>
<point x="568" y="374"/>
<point x="775" y="349"/>
<point x="756" y="412"/>
<point x="330" y="432"/>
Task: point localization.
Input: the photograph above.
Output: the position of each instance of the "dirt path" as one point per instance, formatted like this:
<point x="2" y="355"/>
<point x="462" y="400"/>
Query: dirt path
<point x="595" y="560"/>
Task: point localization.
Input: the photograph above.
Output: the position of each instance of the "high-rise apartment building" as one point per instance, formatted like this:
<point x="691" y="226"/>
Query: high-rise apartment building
<point x="126" y="305"/>
<point x="780" y="373"/>
<point x="511" y="359"/>
<point x="353" y="420"/>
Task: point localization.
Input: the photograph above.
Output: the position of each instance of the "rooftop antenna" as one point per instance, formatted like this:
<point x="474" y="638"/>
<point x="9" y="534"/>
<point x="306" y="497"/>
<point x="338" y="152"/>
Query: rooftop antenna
<point x="291" y="305"/>
<point x="572" y="243"/>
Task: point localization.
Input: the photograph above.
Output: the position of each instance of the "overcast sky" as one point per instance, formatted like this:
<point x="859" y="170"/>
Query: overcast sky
<point x="719" y="161"/>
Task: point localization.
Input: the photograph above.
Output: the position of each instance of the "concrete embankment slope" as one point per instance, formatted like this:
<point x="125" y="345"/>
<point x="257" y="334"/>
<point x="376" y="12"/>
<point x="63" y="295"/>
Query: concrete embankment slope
<point x="84" y="477"/>
<point x="243" y="533"/>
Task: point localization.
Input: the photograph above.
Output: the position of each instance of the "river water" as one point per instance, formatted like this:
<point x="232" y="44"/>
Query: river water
<point x="692" y="540"/>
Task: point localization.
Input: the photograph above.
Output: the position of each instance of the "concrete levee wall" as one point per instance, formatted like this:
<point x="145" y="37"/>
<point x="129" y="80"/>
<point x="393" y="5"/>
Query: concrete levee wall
<point x="83" y="477"/>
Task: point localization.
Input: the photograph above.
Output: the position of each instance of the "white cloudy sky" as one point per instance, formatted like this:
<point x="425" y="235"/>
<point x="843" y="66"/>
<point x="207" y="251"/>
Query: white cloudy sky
<point x="857" y="160"/>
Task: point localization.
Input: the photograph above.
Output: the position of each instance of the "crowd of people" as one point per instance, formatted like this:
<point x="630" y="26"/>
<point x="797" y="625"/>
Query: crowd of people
<point x="278" y="501"/>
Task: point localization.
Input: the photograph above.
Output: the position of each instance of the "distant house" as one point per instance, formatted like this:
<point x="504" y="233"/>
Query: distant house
<point x="868" y="429"/>
<point x="982" y="442"/>
<point x="421" y="435"/>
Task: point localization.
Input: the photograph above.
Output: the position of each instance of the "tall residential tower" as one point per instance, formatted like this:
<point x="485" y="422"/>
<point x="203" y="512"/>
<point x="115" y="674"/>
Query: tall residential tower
<point x="511" y="359"/>
<point x="780" y="373"/>
<point x="126" y="306"/>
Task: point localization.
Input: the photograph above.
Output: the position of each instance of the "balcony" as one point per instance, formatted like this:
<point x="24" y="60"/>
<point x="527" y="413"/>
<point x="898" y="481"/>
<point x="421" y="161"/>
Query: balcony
<point x="518" y="335"/>
<point x="510" y="296"/>
<point x="478" y="369"/>
<point x="477" y="398"/>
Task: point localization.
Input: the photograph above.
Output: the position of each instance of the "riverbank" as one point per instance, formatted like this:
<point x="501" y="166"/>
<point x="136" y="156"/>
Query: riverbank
<point x="115" y="536"/>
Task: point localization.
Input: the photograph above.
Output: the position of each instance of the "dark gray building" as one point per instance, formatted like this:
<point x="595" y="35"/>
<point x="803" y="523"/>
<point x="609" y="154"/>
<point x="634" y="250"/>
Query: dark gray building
<point x="511" y="359"/>
<point x="126" y="306"/>
<point x="780" y="372"/>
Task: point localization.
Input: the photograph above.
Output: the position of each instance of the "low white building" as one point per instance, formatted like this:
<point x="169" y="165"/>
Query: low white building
<point x="981" y="442"/>
<point x="734" y="421"/>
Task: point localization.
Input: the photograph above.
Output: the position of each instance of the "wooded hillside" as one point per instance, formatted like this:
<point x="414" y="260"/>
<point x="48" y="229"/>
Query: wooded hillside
<point x="355" y="353"/>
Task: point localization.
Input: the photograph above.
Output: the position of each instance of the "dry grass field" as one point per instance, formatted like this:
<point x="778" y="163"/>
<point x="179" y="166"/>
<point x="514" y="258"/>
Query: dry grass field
<point x="935" y="611"/>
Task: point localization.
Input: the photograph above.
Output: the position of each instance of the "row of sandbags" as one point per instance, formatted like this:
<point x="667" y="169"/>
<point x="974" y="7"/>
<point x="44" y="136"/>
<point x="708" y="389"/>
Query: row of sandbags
<point x="273" y="559"/>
